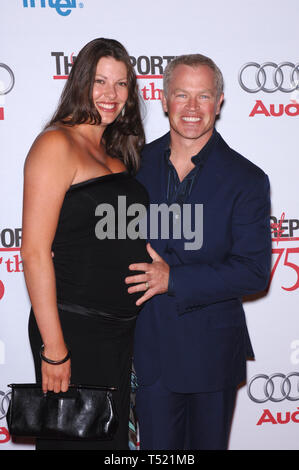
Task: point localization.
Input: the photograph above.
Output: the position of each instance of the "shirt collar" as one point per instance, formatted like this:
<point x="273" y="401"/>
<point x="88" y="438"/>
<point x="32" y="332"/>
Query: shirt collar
<point x="201" y="157"/>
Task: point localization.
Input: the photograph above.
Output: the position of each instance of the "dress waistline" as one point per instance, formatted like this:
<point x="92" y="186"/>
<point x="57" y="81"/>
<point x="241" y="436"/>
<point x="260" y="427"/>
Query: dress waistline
<point x="92" y="312"/>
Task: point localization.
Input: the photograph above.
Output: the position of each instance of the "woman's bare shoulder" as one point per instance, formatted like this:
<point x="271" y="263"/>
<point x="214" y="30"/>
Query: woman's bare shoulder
<point x="53" y="144"/>
<point x="54" y="138"/>
<point x="52" y="151"/>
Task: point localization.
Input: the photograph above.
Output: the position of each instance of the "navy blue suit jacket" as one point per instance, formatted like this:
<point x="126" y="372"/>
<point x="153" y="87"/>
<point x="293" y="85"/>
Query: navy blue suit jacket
<point x="197" y="339"/>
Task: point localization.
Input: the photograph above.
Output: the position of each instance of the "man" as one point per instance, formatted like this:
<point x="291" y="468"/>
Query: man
<point x="191" y="337"/>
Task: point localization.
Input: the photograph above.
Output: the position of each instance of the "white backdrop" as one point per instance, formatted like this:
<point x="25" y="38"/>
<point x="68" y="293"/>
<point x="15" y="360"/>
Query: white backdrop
<point x="37" y="41"/>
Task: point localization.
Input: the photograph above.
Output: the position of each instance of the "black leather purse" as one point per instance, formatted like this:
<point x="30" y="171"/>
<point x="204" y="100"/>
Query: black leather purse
<point x="83" y="412"/>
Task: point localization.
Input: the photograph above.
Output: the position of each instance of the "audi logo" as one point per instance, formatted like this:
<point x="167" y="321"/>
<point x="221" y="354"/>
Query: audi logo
<point x="11" y="82"/>
<point x="286" y="390"/>
<point x="4" y="403"/>
<point x="285" y="77"/>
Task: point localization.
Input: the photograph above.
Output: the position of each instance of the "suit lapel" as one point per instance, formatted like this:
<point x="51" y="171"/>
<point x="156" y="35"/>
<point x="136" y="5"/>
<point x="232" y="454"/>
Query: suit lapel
<point x="163" y="177"/>
<point x="211" y="176"/>
<point x="209" y="180"/>
<point x="157" y="188"/>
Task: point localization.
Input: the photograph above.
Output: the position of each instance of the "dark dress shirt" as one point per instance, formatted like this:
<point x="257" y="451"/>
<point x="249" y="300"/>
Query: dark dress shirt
<point x="178" y="191"/>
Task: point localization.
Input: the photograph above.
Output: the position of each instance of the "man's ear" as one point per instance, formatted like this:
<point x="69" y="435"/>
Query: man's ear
<point x="164" y="102"/>
<point x="220" y="101"/>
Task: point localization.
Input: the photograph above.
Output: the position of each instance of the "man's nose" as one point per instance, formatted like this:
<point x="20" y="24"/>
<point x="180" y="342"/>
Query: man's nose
<point x="193" y="103"/>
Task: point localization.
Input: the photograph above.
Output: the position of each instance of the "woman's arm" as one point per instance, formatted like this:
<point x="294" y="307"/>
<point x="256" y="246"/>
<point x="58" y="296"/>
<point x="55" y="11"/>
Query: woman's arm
<point x="49" y="171"/>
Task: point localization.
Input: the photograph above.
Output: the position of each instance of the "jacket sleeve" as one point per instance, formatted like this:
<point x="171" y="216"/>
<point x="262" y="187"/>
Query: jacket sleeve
<point x="246" y="269"/>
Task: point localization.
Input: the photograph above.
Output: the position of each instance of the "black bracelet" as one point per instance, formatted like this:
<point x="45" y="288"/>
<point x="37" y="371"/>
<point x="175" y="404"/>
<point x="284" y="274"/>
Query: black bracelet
<point x="49" y="361"/>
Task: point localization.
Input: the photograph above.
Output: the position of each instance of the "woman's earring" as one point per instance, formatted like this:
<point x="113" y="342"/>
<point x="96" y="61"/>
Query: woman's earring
<point x="123" y="112"/>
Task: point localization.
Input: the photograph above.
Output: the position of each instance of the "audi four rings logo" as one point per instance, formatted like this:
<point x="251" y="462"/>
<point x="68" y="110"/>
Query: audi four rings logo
<point x="287" y="389"/>
<point x="9" y="86"/>
<point x="285" y="77"/>
<point x="4" y="403"/>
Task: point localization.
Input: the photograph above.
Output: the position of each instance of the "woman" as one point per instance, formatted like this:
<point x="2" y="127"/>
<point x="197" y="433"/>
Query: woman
<point x="86" y="156"/>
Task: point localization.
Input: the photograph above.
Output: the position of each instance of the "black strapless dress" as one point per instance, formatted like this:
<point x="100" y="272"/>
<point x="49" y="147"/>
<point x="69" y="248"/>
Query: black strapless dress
<point x="97" y="314"/>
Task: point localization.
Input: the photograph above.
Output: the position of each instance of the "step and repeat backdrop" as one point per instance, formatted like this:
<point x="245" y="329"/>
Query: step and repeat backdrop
<point x="255" y="44"/>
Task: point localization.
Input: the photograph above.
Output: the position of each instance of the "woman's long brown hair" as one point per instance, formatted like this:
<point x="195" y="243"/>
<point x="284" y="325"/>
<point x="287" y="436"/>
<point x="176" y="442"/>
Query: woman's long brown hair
<point x="124" y="138"/>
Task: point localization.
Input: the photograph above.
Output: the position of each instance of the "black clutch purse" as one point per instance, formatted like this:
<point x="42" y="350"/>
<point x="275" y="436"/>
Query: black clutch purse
<point x="83" y="412"/>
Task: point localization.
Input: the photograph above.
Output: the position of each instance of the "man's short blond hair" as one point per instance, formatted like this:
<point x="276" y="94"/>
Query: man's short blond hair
<point x="193" y="60"/>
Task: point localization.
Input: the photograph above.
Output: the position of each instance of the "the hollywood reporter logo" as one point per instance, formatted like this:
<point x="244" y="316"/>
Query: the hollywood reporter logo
<point x="173" y="221"/>
<point x="149" y="72"/>
<point x="285" y="232"/>
<point x="10" y="259"/>
<point x="149" y="69"/>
